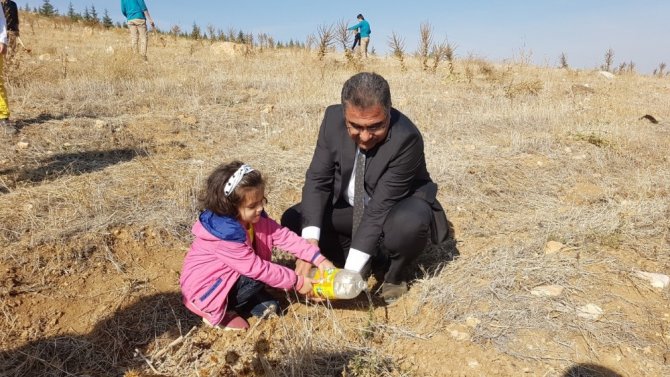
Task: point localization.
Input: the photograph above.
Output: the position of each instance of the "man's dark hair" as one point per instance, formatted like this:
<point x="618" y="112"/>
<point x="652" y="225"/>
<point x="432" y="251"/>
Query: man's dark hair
<point x="366" y="89"/>
<point x="212" y="196"/>
<point x="360" y="16"/>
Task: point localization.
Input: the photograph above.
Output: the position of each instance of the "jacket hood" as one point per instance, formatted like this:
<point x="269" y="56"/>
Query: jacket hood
<point x="223" y="227"/>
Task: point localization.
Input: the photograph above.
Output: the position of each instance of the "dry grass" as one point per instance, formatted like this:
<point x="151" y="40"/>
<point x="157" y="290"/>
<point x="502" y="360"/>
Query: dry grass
<point x="95" y="212"/>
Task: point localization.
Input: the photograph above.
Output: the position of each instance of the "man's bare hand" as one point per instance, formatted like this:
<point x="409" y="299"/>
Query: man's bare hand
<point x="326" y="265"/>
<point x="3" y="48"/>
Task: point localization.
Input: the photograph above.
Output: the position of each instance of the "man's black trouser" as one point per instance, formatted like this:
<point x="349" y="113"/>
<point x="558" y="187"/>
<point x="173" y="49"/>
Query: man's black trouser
<point x="405" y="234"/>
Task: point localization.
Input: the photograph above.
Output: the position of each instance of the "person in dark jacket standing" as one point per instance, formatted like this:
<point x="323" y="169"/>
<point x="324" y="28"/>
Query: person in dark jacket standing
<point x="12" y="20"/>
<point x="6" y="128"/>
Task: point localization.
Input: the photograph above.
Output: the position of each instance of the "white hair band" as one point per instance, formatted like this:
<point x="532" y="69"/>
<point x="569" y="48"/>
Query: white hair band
<point x="235" y="179"/>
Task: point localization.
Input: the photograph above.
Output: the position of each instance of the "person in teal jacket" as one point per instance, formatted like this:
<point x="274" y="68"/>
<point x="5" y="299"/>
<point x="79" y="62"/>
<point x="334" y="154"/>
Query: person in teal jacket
<point x="137" y="15"/>
<point x="364" y="29"/>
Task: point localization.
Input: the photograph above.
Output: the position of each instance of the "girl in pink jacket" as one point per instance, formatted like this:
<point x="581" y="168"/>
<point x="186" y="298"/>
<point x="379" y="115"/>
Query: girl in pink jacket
<point x="229" y="262"/>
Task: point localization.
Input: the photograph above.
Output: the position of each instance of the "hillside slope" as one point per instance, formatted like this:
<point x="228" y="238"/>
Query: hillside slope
<point x="558" y="191"/>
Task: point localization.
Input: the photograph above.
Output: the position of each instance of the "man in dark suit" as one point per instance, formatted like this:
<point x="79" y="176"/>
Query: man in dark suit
<point x="397" y="198"/>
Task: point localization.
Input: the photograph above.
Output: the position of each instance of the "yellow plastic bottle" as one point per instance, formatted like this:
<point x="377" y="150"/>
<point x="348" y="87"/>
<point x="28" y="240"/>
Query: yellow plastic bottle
<point x="336" y="283"/>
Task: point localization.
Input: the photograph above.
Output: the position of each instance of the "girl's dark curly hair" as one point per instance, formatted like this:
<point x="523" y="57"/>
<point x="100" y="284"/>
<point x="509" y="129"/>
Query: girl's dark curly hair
<point x="212" y="196"/>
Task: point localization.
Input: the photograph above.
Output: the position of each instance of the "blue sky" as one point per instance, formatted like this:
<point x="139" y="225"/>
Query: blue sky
<point x="491" y="29"/>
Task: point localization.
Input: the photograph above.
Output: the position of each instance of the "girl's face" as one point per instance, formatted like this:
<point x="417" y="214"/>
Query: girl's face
<point x="252" y="206"/>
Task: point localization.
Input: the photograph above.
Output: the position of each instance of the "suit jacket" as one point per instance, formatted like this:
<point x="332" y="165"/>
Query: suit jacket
<point x="395" y="170"/>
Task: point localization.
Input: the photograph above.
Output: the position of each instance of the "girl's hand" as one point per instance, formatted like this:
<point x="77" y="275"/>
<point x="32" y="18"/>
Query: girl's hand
<point x="302" y="267"/>
<point x="306" y="288"/>
<point x="325" y="265"/>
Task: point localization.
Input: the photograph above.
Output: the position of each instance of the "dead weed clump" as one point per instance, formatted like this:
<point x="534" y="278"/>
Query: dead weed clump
<point x="397" y="44"/>
<point x="276" y="347"/>
<point x="524" y="88"/>
<point x="325" y="39"/>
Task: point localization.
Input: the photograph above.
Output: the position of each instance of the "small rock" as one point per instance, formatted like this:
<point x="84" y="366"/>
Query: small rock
<point x="109" y="50"/>
<point x="473" y="364"/>
<point x="607" y="75"/>
<point x="99" y="123"/>
<point x="547" y="291"/>
<point x="552" y="247"/>
<point x="459" y="335"/>
<point x="22" y="145"/>
<point x="590" y="311"/>
<point x="472" y="322"/>
<point x="268" y="109"/>
<point x="657" y="280"/>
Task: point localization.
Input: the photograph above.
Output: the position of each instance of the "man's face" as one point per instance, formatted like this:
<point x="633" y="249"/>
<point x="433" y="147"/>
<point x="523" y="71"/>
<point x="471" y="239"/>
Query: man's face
<point x="367" y="127"/>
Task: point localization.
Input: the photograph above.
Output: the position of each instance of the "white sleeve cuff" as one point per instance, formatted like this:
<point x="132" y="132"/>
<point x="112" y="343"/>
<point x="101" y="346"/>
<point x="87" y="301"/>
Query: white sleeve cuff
<point x="356" y="260"/>
<point x="311" y="232"/>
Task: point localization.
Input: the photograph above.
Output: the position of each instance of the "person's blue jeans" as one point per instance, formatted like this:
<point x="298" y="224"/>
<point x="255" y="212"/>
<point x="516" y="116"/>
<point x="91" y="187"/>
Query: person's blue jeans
<point x="249" y="296"/>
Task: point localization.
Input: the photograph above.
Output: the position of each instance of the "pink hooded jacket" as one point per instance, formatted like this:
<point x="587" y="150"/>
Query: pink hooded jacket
<point x="221" y="252"/>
